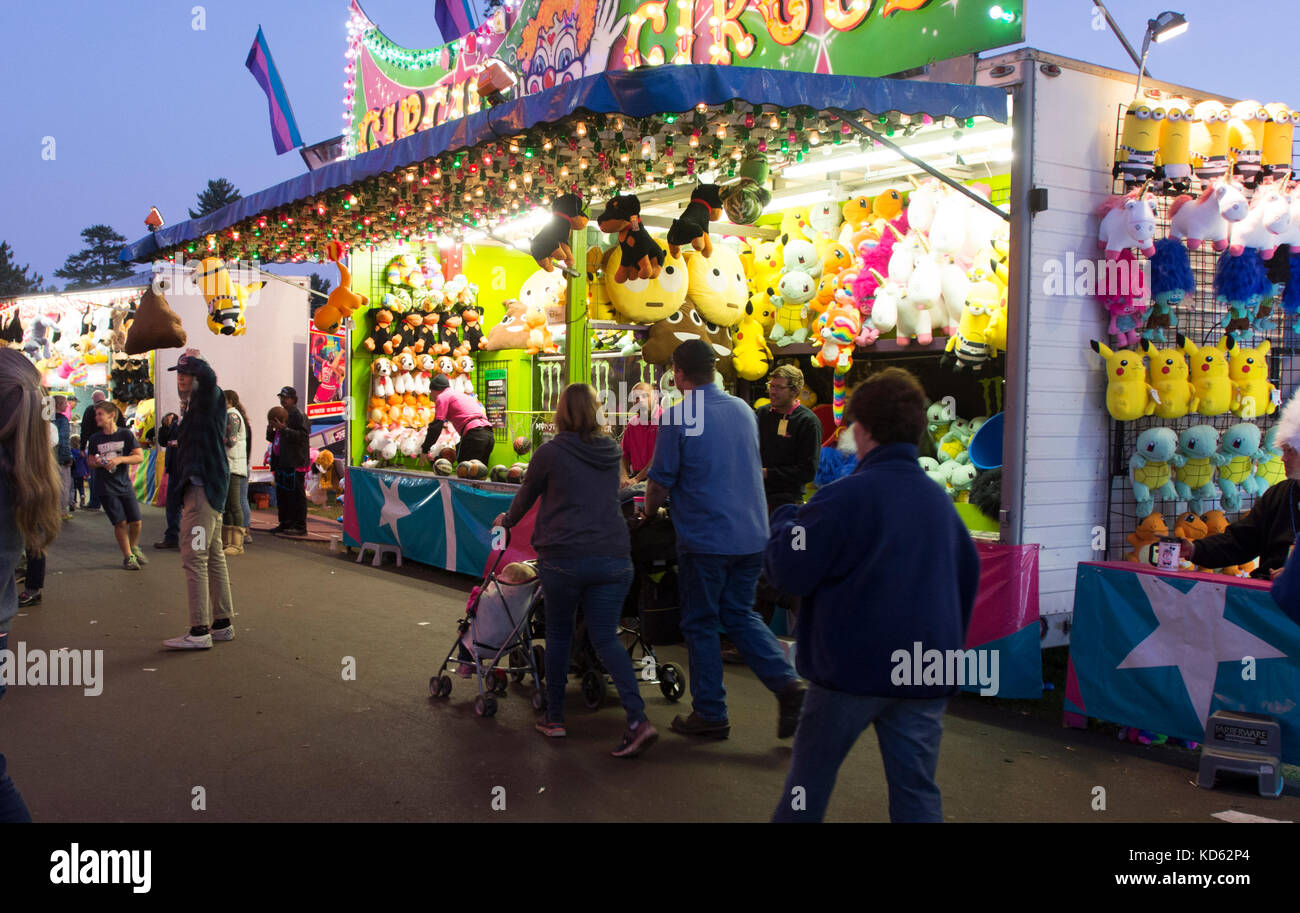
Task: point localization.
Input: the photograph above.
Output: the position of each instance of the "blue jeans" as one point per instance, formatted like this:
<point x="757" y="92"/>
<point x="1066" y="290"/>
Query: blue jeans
<point x="831" y="721"/>
<point x="600" y="585"/>
<point x="719" y="590"/>
<point x="175" y="498"/>
<point x="13" y="810"/>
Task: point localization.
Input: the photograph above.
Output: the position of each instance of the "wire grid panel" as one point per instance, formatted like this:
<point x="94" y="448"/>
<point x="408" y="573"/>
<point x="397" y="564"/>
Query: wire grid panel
<point x="1199" y="319"/>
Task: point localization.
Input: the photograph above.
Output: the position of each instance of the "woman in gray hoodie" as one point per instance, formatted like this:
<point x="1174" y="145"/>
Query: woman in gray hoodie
<point x="584" y="556"/>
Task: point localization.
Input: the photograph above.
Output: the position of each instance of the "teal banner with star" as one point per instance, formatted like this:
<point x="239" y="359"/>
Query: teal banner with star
<point x="1162" y="651"/>
<point x="435" y="520"/>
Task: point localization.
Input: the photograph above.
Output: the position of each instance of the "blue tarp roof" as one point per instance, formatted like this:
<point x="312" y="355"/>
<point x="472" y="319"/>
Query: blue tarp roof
<point x="636" y="93"/>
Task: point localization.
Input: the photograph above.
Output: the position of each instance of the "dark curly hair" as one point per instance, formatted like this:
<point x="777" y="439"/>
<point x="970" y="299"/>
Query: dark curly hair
<point x="891" y="405"/>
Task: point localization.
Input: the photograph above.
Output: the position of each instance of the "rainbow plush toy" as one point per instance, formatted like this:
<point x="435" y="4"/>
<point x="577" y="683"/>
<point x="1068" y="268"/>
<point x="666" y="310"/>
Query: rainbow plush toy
<point x="839" y="328"/>
<point x="1240" y="285"/>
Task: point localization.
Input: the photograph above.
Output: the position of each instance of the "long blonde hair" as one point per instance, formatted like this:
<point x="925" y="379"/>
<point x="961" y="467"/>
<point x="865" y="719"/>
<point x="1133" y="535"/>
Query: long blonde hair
<point x="26" y="458"/>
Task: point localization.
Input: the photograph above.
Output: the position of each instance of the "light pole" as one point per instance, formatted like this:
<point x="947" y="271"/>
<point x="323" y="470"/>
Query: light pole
<point x="1160" y="29"/>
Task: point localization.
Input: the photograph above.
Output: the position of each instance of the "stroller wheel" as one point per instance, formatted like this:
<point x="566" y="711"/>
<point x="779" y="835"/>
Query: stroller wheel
<point x="444" y="686"/>
<point x="539" y="660"/>
<point x="433" y="686"/>
<point x="539" y="700"/>
<point x="518" y="665"/>
<point x="671" y="682"/>
<point x="593" y="689"/>
<point x="485" y="706"/>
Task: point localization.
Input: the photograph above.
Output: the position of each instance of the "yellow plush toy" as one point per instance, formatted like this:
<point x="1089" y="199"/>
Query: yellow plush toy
<point x="1209" y="372"/>
<point x="750" y="354"/>
<point x="1278" y="132"/>
<point x="717" y="285"/>
<point x="648" y="300"/>
<point x="1252" y="394"/>
<point x="794" y="222"/>
<point x="1136" y="160"/>
<point x="226" y="299"/>
<point x="1167" y="375"/>
<point x="1128" y="395"/>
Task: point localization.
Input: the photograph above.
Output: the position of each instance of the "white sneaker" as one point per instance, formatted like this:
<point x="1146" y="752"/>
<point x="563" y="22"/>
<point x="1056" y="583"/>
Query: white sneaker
<point x="189" y="642"/>
<point x="226" y="633"/>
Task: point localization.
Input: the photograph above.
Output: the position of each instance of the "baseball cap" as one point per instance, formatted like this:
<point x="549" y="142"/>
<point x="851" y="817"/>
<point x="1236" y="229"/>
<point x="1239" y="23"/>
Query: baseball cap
<point x="439" y="382"/>
<point x="187" y="364"/>
<point x="694" y="356"/>
<point x="288" y="391"/>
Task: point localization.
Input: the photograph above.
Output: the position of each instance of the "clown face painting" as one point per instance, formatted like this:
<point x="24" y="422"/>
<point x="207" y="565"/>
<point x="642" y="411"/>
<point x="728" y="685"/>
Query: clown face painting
<point x="567" y="40"/>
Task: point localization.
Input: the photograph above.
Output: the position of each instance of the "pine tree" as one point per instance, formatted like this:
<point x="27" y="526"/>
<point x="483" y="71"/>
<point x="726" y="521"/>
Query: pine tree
<point x="218" y="193"/>
<point x="97" y="263"/>
<point x="13" y="280"/>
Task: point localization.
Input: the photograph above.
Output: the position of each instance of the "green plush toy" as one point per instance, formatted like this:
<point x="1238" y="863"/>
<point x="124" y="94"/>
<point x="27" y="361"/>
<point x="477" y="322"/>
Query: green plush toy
<point x="1150" y="465"/>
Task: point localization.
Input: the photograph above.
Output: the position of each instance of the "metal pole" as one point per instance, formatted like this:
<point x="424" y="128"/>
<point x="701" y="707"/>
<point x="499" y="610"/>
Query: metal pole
<point x="1139" y="62"/>
<point x="1146" y="46"/>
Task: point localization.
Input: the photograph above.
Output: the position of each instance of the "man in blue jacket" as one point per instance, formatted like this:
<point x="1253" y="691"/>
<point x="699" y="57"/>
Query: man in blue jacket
<point x="888" y="574"/>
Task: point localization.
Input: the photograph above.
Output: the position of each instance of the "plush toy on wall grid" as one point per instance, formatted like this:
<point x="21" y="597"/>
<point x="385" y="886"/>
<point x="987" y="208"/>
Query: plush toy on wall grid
<point x="835" y="341"/>
<point x="342" y="301"/>
<point x="1150" y="468"/>
<point x="1208" y="368"/>
<point x="1269" y="468"/>
<point x="1144" y="538"/>
<point x="1167" y="375"/>
<point x="692" y="226"/>
<point x="1238" y="451"/>
<point x="1209" y="217"/>
<point x="1127" y="221"/>
<point x="380" y="338"/>
<point x="1128" y="395"/>
<point x="1125" y="300"/>
<point x="640" y="257"/>
<point x="1246" y="139"/>
<point x="551" y="244"/>
<point x="1240" y="285"/>
<point x="1174" y="157"/>
<point x="1194" y="476"/>
<point x="1209" y="140"/>
<point x="1252" y="393"/>
<point x="1135" y="161"/>
<point x="1171" y="281"/>
<point x="1279" y="131"/>
<point x="1268" y="217"/>
<point x="382" y="386"/>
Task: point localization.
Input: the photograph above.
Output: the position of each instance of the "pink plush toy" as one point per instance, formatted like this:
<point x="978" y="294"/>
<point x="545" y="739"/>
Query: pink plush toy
<point x="1128" y="221"/>
<point x="1120" y="292"/>
<point x="1207" y="218"/>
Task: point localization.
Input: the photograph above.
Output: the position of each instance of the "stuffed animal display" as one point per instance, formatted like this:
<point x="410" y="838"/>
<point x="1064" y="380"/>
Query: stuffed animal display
<point x="639" y="256"/>
<point x="226" y="299"/>
<point x="1128" y="394"/>
<point x="551" y="244"/>
<point x="1154" y="454"/>
<point x="692" y="227"/>
<point x="342" y="301"/>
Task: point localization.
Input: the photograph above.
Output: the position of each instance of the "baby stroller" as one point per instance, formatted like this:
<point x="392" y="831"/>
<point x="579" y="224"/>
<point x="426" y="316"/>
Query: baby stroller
<point x="493" y="640"/>
<point x="650" y="616"/>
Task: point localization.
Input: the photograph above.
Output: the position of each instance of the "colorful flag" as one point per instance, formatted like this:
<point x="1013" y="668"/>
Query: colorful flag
<point x="284" y="129"/>
<point x="455" y="18"/>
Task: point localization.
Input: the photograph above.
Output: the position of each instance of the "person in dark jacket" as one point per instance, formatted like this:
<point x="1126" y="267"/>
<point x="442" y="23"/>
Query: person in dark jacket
<point x="584" y="556"/>
<point x="887" y="570"/>
<point x="290" y="461"/>
<point x="1269" y="530"/>
<point x="1286" y="587"/>
<point x="88" y="427"/>
<point x="201" y="476"/>
<point x="167" y="431"/>
<point x="63" y="452"/>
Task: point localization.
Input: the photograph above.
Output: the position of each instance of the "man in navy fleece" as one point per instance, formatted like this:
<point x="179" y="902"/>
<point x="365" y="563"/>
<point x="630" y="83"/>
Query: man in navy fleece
<point x="883" y="563"/>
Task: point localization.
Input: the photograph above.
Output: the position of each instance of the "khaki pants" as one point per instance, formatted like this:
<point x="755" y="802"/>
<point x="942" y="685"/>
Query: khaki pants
<point x="203" y="560"/>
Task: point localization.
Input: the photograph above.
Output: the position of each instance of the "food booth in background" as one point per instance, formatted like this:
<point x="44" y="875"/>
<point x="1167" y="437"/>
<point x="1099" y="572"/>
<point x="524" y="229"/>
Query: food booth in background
<point x="436" y="211"/>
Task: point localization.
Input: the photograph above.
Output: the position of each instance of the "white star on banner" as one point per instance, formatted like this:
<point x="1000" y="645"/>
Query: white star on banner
<point x="393" y="509"/>
<point x="1193" y="635"/>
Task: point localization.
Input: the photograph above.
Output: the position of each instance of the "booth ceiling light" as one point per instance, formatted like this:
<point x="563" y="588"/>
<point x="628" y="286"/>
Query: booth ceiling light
<point x="973" y="140"/>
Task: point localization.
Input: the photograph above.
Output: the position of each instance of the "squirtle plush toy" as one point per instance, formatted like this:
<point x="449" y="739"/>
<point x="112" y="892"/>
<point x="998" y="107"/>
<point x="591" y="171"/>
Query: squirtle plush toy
<point x="639" y="256"/>
<point x="1152" y="476"/>
<point x="692" y="227"/>
<point x="552" y="242"/>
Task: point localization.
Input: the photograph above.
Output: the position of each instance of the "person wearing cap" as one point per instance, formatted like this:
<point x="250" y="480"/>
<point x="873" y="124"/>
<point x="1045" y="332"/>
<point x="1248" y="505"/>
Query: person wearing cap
<point x="466" y="415"/>
<point x="707" y="459"/>
<point x="1268" y="531"/>
<point x="290" y="460"/>
<point x="200" y="477"/>
<point x="88" y="427"/>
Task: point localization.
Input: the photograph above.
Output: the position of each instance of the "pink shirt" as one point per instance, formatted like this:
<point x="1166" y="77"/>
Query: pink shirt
<point x="463" y="411"/>
<point x="639" y="442"/>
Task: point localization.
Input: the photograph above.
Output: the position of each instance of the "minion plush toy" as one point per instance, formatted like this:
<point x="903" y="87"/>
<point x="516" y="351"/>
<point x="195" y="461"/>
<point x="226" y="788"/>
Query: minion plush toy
<point x="1174" y="158"/>
<point x="1246" y="140"/>
<point x="1136" y="161"/>
<point x="1210" y="140"/>
<point x="1278" y="132"/>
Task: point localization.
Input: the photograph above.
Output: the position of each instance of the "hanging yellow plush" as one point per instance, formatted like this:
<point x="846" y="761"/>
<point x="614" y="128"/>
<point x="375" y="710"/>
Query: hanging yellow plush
<point x="226" y="299"/>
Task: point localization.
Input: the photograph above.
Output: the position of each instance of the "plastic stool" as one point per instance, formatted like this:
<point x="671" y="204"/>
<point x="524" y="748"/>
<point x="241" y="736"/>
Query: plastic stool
<point x="380" y="549"/>
<point x="1247" y="743"/>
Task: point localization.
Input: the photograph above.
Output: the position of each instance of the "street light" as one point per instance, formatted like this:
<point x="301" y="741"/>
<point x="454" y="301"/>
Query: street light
<point x="1160" y="29"/>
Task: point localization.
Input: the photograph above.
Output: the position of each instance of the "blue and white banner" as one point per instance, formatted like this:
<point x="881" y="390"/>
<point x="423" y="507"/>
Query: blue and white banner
<point x="436" y="520"/>
<point x="1162" y="651"/>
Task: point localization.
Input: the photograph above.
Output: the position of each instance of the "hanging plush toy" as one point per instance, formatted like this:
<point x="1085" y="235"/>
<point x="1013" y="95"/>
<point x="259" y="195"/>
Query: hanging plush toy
<point x="1246" y="139"/>
<point x="639" y="256"/>
<point x="156" y="325"/>
<point x="1253" y="395"/>
<point x="751" y="356"/>
<point x="381" y="337"/>
<point x="1136" y="159"/>
<point x="1128" y="395"/>
<point x="1269" y="467"/>
<point x="473" y="333"/>
<point x="1124" y="300"/>
<point x="36" y="343"/>
<point x="745" y="200"/>
<point x="1208" y="367"/>
<point x="1174" y="157"/>
<point x="1209" y="140"/>
<point x="692" y="227"/>
<point x="647" y="300"/>
<point x="1238" y="452"/>
<point x="1194" y="478"/>
<point x="1268" y="217"/>
<point x="1150" y="467"/>
<point x="1171" y="281"/>
<point x="973" y="344"/>
<point x="839" y="331"/>
<point x="1126" y="221"/>
<point x="794" y="291"/>
<point x="551" y="244"/>
<point x="1240" y="285"/>
<point x="226" y="299"/>
<point x="1209" y="217"/>
<point x="1167" y="376"/>
<point x="716" y="284"/>
<point x="342" y="301"/>
<point x="1279" y="129"/>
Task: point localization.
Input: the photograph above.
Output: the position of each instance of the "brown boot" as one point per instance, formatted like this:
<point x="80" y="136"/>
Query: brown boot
<point x="233" y="540"/>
